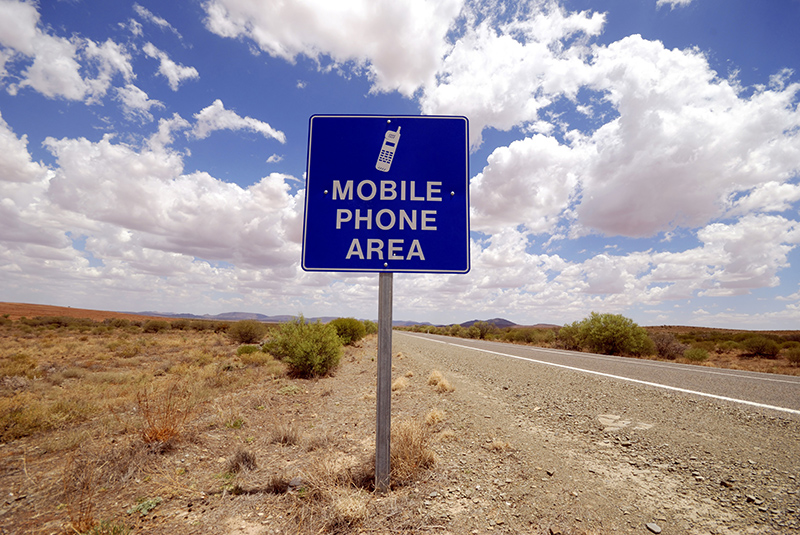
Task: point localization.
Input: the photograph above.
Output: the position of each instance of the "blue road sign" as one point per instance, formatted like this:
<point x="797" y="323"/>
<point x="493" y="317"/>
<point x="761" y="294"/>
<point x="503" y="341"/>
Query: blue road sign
<point x="387" y="194"/>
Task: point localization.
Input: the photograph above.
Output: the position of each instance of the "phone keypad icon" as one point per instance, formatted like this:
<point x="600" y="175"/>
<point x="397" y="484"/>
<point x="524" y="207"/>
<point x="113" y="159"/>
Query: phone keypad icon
<point x="390" y="140"/>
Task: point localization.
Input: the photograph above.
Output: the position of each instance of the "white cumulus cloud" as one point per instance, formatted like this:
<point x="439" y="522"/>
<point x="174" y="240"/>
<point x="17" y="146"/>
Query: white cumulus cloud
<point x="398" y="42"/>
<point x="54" y="65"/>
<point x="216" y="117"/>
<point x="173" y="72"/>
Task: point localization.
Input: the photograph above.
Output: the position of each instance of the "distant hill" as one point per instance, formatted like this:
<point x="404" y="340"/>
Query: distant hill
<point x="234" y="316"/>
<point x="500" y="323"/>
<point x="404" y="323"/>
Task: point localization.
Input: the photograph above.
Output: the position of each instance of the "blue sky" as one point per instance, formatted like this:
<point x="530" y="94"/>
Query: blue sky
<point x="640" y="158"/>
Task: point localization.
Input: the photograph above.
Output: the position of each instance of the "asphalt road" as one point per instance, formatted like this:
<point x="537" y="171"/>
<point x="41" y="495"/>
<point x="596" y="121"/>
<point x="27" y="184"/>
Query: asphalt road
<point x="770" y="392"/>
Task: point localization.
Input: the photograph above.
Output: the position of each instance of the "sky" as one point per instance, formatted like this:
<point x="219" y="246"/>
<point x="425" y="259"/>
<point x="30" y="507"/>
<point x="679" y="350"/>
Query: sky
<point x="636" y="158"/>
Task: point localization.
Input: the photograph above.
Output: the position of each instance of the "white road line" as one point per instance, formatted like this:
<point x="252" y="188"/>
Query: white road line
<point x="648" y="383"/>
<point x="674" y="366"/>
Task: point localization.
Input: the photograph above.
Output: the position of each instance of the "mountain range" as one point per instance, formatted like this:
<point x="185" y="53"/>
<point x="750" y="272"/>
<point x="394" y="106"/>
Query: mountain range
<point x="500" y="323"/>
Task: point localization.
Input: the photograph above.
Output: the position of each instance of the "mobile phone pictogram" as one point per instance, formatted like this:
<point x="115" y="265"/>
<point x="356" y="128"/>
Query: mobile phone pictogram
<point x="390" y="140"/>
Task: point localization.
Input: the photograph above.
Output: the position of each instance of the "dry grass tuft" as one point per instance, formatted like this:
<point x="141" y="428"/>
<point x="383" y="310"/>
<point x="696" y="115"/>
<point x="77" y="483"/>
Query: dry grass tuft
<point x="286" y="433"/>
<point x="434" y="417"/>
<point x="349" y="510"/>
<point x="79" y="487"/>
<point x="409" y="374"/>
<point x="401" y="383"/>
<point x="320" y="441"/>
<point x="439" y="382"/>
<point x="447" y="435"/>
<point x="164" y="416"/>
<point x="241" y="460"/>
<point x="411" y="453"/>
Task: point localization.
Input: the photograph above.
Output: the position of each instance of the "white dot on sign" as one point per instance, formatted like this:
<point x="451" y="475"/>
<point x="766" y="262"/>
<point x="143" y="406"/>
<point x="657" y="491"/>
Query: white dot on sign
<point x="385" y="264"/>
<point x="325" y="192"/>
<point x="452" y="193"/>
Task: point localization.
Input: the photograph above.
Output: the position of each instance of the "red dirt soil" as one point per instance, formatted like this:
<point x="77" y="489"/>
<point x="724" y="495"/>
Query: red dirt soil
<point x="19" y="310"/>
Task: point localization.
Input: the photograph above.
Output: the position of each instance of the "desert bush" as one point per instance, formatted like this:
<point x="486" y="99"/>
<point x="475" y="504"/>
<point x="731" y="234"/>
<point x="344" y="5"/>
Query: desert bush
<point x="155" y="326"/>
<point x="350" y="330"/>
<point x="247" y="349"/>
<point x="370" y="327"/>
<point x="729" y="346"/>
<point x="180" y="324"/>
<point x="247" y="331"/>
<point x="568" y="337"/>
<point x="667" y="346"/>
<point x="761" y="346"/>
<point x="793" y="355"/>
<point x="473" y="332"/>
<point x="309" y="349"/>
<point x="695" y="354"/>
<point x="484" y="328"/>
<point x="708" y="345"/>
<point x="613" y="334"/>
<point x="117" y="323"/>
<point x="457" y="330"/>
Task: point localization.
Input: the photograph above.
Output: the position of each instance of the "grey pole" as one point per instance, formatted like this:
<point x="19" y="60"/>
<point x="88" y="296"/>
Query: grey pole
<point x="384" y="395"/>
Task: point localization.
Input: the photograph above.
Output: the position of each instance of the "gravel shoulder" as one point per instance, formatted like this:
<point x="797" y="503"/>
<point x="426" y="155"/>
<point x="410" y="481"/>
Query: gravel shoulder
<point x="576" y="453"/>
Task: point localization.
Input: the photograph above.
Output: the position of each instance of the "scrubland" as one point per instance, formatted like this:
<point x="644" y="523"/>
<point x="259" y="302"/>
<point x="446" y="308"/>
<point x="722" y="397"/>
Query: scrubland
<point x="151" y="426"/>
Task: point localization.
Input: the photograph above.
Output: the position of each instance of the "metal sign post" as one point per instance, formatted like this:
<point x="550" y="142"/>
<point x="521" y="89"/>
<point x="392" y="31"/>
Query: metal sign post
<point x="386" y="194"/>
<point x="383" y="426"/>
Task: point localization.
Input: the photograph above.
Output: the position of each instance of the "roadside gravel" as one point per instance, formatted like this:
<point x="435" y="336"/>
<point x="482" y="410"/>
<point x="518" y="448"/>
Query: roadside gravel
<point x="544" y="450"/>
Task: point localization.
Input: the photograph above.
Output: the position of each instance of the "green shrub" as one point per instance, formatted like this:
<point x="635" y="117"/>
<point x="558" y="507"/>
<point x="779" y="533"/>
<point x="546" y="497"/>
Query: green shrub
<point x="247" y="331"/>
<point x="309" y="349"/>
<point x="793" y="355"/>
<point x="709" y="346"/>
<point x="613" y="334"/>
<point x="155" y="326"/>
<point x="370" y="327"/>
<point x="696" y="354"/>
<point x="729" y="346"/>
<point x="258" y="358"/>
<point x="668" y="346"/>
<point x="484" y="328"/>
<point x="350" y="330"/>
<point x="117" y="323"/>
<point x="568" y="337"/>
<point x="761" y="346"/>
<point x="245" y="350"/>
<point x="456" y="330"/>
<point x="180" y="324"/>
